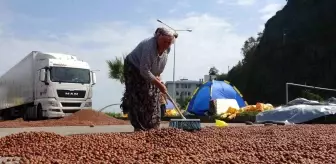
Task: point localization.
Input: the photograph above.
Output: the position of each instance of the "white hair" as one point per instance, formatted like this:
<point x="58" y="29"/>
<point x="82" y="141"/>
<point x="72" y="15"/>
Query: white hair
<point x="164" y="31"/>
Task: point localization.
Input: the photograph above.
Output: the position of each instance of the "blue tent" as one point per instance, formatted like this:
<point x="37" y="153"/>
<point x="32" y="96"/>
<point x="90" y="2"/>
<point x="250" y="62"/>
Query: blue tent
<point x="212" y="90"/>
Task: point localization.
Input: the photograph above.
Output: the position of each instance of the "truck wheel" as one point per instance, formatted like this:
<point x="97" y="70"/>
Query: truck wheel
<point x="25" y="114"/>
<point x="39" y="112"/>
<point x="30" y="114"/>
<point x="6" y="114"/>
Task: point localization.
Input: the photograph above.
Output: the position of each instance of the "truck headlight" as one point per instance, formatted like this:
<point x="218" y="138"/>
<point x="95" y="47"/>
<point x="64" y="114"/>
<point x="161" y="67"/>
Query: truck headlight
<point x="88" y="104"/>
<point x="53" y="103"/>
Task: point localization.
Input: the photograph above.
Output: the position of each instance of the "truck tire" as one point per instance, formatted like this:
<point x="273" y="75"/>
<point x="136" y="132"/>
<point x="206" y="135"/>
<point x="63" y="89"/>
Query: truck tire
<point x="6" y="114"/>
<point x="25" y="115"/>
<point x="40" y="112"/>
<point x="30" y="114"/>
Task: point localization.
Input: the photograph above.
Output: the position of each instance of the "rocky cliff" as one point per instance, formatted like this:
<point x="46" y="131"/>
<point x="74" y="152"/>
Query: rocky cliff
<point x="299" y="46"/>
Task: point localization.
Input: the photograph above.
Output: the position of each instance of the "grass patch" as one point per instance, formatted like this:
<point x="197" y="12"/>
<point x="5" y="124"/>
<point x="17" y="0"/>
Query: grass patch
<point x="114" y="114"/>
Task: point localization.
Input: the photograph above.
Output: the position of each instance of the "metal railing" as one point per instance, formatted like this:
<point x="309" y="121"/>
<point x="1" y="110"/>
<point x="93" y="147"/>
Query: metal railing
<point x="305" y="86"/>
<point x="100" y="110"/>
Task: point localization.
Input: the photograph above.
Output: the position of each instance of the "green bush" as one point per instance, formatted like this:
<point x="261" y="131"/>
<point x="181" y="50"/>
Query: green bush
<point x="311" y="96"/>
<point x="114" y="114"/>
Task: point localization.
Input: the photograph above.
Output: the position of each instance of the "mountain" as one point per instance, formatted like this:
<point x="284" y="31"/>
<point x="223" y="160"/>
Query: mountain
<point x="298" y="45"/>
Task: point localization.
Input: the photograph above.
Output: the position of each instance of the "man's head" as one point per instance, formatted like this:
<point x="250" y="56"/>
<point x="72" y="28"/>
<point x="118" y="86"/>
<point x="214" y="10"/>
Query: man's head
<point x="165" y="37"/>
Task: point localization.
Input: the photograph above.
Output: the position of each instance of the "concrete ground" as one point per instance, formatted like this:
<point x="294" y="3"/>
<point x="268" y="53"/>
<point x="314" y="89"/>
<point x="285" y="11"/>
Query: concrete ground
<point x="69" y="130"/>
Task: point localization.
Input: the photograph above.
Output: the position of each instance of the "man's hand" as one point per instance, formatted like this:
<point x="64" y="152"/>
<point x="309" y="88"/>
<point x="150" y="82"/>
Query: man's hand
<point x="163" y="88"/>
<point x="159" y="78"/>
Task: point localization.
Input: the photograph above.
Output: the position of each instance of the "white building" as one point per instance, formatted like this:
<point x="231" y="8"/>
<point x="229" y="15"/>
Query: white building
<point x="209" y="77"/>
<point x="183" y="88"/>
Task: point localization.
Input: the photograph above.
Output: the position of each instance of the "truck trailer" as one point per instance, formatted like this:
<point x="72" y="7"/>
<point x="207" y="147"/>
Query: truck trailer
<point x="46" y="85"/>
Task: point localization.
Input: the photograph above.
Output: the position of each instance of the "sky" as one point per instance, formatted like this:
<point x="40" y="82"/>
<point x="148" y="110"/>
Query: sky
<point x="96" y="31"/>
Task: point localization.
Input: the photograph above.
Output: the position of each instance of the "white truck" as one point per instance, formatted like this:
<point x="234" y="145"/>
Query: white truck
<point x="46" y="85"/>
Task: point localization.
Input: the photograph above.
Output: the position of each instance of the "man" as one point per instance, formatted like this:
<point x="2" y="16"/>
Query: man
<point x="142" y="66"/>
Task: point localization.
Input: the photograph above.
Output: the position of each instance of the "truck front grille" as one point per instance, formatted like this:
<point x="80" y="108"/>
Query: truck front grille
<point x="71" y="94"/>
<point x="70" y="110"/>
<point x="68" y="104"/>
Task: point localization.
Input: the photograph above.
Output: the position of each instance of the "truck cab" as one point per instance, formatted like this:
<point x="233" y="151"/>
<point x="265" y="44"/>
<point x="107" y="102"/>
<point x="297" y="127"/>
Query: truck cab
<point x="63" y="85"/>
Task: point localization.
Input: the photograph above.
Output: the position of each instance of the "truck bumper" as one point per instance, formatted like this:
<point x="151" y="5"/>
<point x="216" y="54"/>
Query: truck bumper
<point x="59" y="112"/>
<point x="65" y="108"/>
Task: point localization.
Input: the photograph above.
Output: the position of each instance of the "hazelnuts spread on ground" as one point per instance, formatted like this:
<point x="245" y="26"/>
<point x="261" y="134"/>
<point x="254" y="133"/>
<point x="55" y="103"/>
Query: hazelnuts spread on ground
<point x="249" y="144"/>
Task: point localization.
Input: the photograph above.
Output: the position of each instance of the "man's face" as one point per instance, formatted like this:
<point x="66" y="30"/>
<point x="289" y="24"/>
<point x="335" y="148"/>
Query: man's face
<point x="165" y="41"/>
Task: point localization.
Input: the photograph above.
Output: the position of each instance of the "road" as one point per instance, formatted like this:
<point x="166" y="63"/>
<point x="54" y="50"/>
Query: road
<point x="69" y="130"/>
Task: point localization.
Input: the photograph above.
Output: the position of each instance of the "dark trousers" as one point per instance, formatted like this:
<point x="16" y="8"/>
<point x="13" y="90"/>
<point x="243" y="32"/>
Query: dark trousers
<point x="163" y="110"/>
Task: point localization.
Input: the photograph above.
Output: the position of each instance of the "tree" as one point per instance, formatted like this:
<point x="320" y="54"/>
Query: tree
<point x="311" y="96"/>
<point x="116" y="69"/>
<point x="222" y="77"/>
<point x="213" y="71"/>
<point x="242" y="75"/>
<point x="296" y="50"/>
<point x="249" y="47"/>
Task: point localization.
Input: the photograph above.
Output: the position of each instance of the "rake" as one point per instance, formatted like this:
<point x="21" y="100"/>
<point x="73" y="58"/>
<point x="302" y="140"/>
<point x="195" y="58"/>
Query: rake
<point x="184" y="123"/>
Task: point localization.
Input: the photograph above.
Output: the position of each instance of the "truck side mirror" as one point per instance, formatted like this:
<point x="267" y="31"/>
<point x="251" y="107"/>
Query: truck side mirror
<point x="42" y="75"/>
<point x="94" y="78"/>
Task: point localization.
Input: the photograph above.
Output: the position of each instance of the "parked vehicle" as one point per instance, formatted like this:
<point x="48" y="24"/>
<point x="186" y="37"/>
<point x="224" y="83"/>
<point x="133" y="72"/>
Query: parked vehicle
<point x="46" y="85"/>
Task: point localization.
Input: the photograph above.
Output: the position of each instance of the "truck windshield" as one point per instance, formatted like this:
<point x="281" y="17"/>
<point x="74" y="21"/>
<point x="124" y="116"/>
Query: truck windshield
<point x="69" y="75"/>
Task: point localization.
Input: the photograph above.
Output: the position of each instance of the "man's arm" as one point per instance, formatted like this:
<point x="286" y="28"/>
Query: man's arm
<point x="145" y="66"/>
<point x="159" y="78"/>
<point x="145" y="63"/>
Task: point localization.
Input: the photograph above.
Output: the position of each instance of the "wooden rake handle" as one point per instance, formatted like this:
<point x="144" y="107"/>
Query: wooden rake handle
<point x="176" y="107"/>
